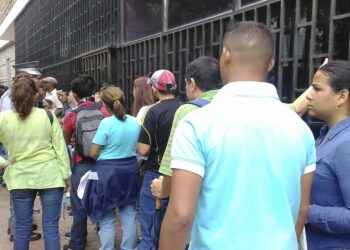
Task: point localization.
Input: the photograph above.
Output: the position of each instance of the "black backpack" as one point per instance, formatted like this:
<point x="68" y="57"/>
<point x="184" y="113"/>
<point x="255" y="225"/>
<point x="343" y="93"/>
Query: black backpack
<point x="88" y="120"/>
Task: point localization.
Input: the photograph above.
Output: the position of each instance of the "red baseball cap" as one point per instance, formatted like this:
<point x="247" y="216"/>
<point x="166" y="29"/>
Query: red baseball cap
<point x="163" y="80"/>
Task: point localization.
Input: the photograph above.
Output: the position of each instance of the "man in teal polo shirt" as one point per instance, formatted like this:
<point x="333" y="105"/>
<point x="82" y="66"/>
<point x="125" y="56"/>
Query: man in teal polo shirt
<point x="238" y="162"/>
<point x="203" y="80"/>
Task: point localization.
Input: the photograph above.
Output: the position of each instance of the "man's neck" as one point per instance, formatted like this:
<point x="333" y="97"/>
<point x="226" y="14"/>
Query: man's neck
<point x="50" y="90"/>
<point x="165" y="97"/>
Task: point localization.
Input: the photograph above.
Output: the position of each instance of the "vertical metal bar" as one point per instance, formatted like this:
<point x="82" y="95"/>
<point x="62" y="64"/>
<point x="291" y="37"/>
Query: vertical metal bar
<point x="236" y="4"/>
<point x="165" y="15"/>
<point x="295" y="48"/>
<point x="268" y="16"/>
<point x="331" y="30"/>
<point x="281" y="32"/>
<point x="312" y="39"/>
<point x="349" y="47"/>
<point x="211" y="38"/>
<point x="255" y="14"/>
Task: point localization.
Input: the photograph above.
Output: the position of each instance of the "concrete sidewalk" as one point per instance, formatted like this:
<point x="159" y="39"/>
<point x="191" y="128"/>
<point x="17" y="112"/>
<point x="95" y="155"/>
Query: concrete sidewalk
<point x="5" y="244"/>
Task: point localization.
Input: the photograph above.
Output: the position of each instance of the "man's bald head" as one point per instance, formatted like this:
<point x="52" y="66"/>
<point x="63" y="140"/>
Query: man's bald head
<point x="250" y="42"/>
<point x="247" y="52"/>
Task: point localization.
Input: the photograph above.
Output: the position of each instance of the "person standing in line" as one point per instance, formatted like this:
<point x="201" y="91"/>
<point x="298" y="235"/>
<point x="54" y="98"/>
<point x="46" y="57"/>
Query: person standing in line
<point x="38" y="163"/>
<point x="152" y="142"/>
<point x="63" y="97"/>
<point x="114" y="147"/>
<point x="143" y="97"/>
<point x="245" y="139"/>
<point x="203" y="80"/>
<point x="24" y="70"/>
<point x="82" y="88"/>
<point x="50" y="85"/>
<point x="328" y="224"/>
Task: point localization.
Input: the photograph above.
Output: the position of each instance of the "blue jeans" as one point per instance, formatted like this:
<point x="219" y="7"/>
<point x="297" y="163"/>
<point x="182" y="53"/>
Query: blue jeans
<point x="147" y="210"/>
<point x="107" y="229"/>
<point x="79" y="226"/>
<point x="23" y="202"/>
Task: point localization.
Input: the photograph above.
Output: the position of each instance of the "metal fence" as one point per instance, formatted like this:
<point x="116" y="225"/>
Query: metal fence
<point x="56" y="31"/>
<point x="61" y="33"/>
<point x="306" y="32"/>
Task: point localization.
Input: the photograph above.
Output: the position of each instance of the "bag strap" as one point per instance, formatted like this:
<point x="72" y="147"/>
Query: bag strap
<point x="199" y="102"/>
<point x="49" y="114"/>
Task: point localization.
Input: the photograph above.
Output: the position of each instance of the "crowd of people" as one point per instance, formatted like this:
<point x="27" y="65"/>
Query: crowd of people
<point x="232" y="168"/>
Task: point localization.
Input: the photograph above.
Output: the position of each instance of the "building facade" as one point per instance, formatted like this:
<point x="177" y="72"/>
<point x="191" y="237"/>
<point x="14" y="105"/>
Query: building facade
<point x="7" y="60"/>
<point x="7" y="53"/>
<point x="117" y="40"/>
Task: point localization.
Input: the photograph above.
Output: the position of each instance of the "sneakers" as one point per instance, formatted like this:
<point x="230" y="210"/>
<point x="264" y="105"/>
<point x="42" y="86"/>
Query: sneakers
<point x="68" y="247"/>
<point x="33" y="237"/>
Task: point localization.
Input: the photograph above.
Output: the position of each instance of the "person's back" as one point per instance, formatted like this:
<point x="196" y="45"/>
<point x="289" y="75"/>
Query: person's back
<point x="238" y="163"/>
<point x="114" y="146"/>
<point x="253" y="164"/>
<point x="152" y="142"/>
<point x="38" y="163"/>
<point x="118" y="138"/>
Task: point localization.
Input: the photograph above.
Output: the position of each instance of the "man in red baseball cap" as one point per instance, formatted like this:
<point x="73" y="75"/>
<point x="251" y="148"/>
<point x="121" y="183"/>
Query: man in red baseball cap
<point x="152" y="142"/>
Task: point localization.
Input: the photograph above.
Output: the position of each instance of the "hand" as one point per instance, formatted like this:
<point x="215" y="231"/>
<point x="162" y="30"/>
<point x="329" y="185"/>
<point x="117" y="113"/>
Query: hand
<point x="67" y="188"/>
<point x="156" y="187"/>
<point x="7" y="163"/>
<point x="324" y="62"/>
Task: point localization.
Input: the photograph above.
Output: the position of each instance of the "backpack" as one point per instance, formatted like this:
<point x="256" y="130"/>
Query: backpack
<point x="199" y="102"/>
<point x="88" y="120"/>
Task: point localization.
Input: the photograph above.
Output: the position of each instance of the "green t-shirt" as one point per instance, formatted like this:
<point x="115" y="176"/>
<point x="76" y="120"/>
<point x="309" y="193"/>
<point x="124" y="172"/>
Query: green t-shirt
<point x="37" y="149"/>
<point x="180" y="113"/>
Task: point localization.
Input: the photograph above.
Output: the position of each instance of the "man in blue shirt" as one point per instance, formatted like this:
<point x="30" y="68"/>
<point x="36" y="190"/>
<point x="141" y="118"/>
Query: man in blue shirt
<point x="239" y="161"/>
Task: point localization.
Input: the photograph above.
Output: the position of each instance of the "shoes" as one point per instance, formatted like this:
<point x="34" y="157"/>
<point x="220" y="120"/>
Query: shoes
<point x="68" y="247"/>
<point x="33" y="237"/>
<point x="34" y="227"/>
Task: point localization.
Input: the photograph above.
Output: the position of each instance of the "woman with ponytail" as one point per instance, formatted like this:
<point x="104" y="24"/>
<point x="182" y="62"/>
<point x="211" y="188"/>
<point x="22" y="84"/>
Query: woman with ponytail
<point x="38" y="163"/>
<point x="114" y="147"/>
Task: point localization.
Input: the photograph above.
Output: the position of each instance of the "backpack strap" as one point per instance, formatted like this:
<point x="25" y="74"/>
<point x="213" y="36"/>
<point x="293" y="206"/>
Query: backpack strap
<point x="49" y="114"/>
<point x="199" y="102"/>
<point x="97" y="105"/>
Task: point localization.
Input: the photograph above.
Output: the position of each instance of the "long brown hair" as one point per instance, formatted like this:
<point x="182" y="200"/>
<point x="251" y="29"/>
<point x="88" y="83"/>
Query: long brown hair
<point x="143" y="95"/>
<point x="23" y="95"/>
<point x="114" y="99"/>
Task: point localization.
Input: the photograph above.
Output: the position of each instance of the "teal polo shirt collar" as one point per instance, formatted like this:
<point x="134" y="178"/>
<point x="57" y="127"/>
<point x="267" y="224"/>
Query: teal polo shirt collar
<point x="247" y="89"/>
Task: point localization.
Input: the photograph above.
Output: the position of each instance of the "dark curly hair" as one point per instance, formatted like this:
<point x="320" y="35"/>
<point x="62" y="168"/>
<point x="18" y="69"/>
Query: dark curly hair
<point x="23" y="95"/>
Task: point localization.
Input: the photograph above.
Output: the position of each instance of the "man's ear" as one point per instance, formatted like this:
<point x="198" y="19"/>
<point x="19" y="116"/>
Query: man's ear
<point x="225" y="56"/>
<point x="192" y="83"/>
<point x="271" y="64"/>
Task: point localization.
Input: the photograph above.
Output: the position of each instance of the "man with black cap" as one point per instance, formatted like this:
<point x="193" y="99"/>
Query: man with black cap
<point x="152" y="142"/>
<point x="50" y="84"/>
<point x="30" y="70"/>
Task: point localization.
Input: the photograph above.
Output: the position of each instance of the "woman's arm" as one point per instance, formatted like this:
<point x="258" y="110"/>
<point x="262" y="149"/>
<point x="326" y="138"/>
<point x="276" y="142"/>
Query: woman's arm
<point x="4" y="163"/>
<point x="300" y="105"/>
<point x="333" y="219"/>
<point x="95" y="151"/>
